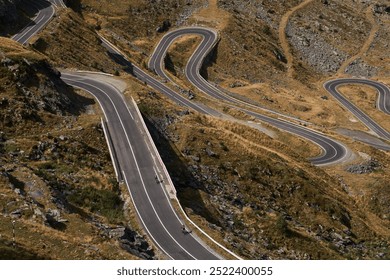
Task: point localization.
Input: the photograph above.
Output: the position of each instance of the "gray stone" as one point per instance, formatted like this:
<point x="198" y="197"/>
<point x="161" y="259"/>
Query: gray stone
<point x="16" y="214"/>
<point x="210" y="153"/>
<point x="366" y="167"/>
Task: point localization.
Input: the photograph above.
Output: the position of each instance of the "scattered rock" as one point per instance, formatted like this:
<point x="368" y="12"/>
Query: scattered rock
<point x="164" y="26"/>
<point x="16" y="214"/>
<point x="195" y="158"/>
<point x="184" y="113"/>
<point x="210" y="153"/>
<point x="236" y="84"/>
<point x="54" y="220"/>
<point x="279" y="56"/>
<point x="314" y="50"/>
<point x="366" y="167"/>
<point x="361" y="69"/>
<point x="381" y="9"/>
<point x="129" y="240"/>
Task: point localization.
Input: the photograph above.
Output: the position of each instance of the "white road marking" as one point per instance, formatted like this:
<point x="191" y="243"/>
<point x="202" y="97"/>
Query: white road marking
<point x="138" y="170"/>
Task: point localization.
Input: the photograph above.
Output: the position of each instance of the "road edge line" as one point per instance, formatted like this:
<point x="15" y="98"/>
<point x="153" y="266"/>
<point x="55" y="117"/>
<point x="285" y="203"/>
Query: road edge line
<point x="95" y="72"/>
<point x="112" y="152"/>
<point x="173" y="189"/>
<point x="172" y="185"/>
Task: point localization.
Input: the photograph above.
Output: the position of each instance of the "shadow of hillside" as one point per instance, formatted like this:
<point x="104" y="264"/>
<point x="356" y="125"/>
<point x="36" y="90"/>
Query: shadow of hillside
<point x="75" y="5"/>
<point x="68" y="100"/>
<point x="30" y="8"/>
<point x="9" y="252"/>
<point x="209" y="61"/>
<point x="187" y="186"/>
<point x="25" y="12"/>
<point x="77" y="102"/>
<point x="119" y="59"/>
<point x="169" y="64"/>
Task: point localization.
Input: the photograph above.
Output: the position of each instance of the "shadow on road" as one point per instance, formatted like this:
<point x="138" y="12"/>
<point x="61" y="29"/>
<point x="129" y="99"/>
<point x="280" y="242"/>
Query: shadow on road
<point x="187" y="186"/>
<point x="119" y="59"/>
<point x="209" y="60"/>
<point x="16" y="20"/>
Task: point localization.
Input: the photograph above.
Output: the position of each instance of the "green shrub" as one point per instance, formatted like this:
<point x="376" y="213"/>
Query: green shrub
<point x="103" y="202"/>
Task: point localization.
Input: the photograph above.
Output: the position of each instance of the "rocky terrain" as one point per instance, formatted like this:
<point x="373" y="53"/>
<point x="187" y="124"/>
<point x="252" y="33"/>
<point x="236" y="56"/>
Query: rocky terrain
<point x="254" y="193"/>
<point x="56" y="179"/>
<point x="8" y="11"/>
<point x="320" y="33"/>
<point x="231" y="180"/>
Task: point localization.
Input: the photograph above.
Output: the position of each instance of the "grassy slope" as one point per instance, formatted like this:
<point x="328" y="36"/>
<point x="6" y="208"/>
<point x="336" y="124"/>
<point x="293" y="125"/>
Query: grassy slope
<point x="267" y="204"/>
<point x="72" y="43"/>
<point x="282" y="213"/>
<point x="38" y="108"/>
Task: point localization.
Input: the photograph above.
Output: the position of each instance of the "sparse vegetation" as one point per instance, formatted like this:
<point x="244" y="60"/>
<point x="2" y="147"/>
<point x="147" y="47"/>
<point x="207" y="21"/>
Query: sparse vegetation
<point x="104" y="202"/>
<point x="256" y="194"/>
<point x="56" y="176"/>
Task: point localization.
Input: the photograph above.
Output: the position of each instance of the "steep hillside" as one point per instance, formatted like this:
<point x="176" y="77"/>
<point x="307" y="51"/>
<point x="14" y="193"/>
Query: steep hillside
<point x="254" y="193"/>
<point x="8" y="11"/>
<point x="14" y="15"/>
<point x="135" y="25"/>
<point x="70" y="42"/>
<point x="256" y="185"/>
<point x="258" y="197"/>
<point x="56" y="179"/>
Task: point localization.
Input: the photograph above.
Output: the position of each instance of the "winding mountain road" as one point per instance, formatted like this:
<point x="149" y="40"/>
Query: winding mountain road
<point x="383" y="102"/>
<point x="136" y="161"/>
<point x="151" y="81"/>
<point x="333" y="151"/>
<point x="45" y="11"/>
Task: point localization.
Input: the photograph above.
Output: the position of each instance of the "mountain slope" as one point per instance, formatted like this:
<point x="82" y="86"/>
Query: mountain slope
<point x="254" y="193"/>
<point x="56" y="178"/>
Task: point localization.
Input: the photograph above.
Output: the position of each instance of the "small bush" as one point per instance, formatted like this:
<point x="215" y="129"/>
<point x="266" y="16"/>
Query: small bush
<point x="282" y="226"/>
<point x="103" y="202"/>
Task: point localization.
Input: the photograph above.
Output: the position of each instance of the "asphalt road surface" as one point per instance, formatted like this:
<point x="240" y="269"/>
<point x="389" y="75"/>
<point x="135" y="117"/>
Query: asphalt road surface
<point x="137" y="163"/>
<point x="148" y="79"/>
<point x="383" y="102"/>
<point x="332" y="151"/>
<point x="45" y="11"/>
<point x="133" y="156"/>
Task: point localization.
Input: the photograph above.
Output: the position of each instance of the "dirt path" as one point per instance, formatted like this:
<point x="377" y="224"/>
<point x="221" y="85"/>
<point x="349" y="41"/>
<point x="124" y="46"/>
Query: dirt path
<point x="283" y="37"/>
<point x="214" y="16"/>
<point x="367" y="43"/>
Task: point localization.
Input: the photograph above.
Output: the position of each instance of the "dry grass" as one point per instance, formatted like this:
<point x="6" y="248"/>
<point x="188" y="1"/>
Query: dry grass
<point x="79" y="163"/>
<point x="283" y="37"/>
<point x="365" y="98"/>
<point x="69" y="32"/>
<point x="12" y="49"/>
<point x="212" y="16"/>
